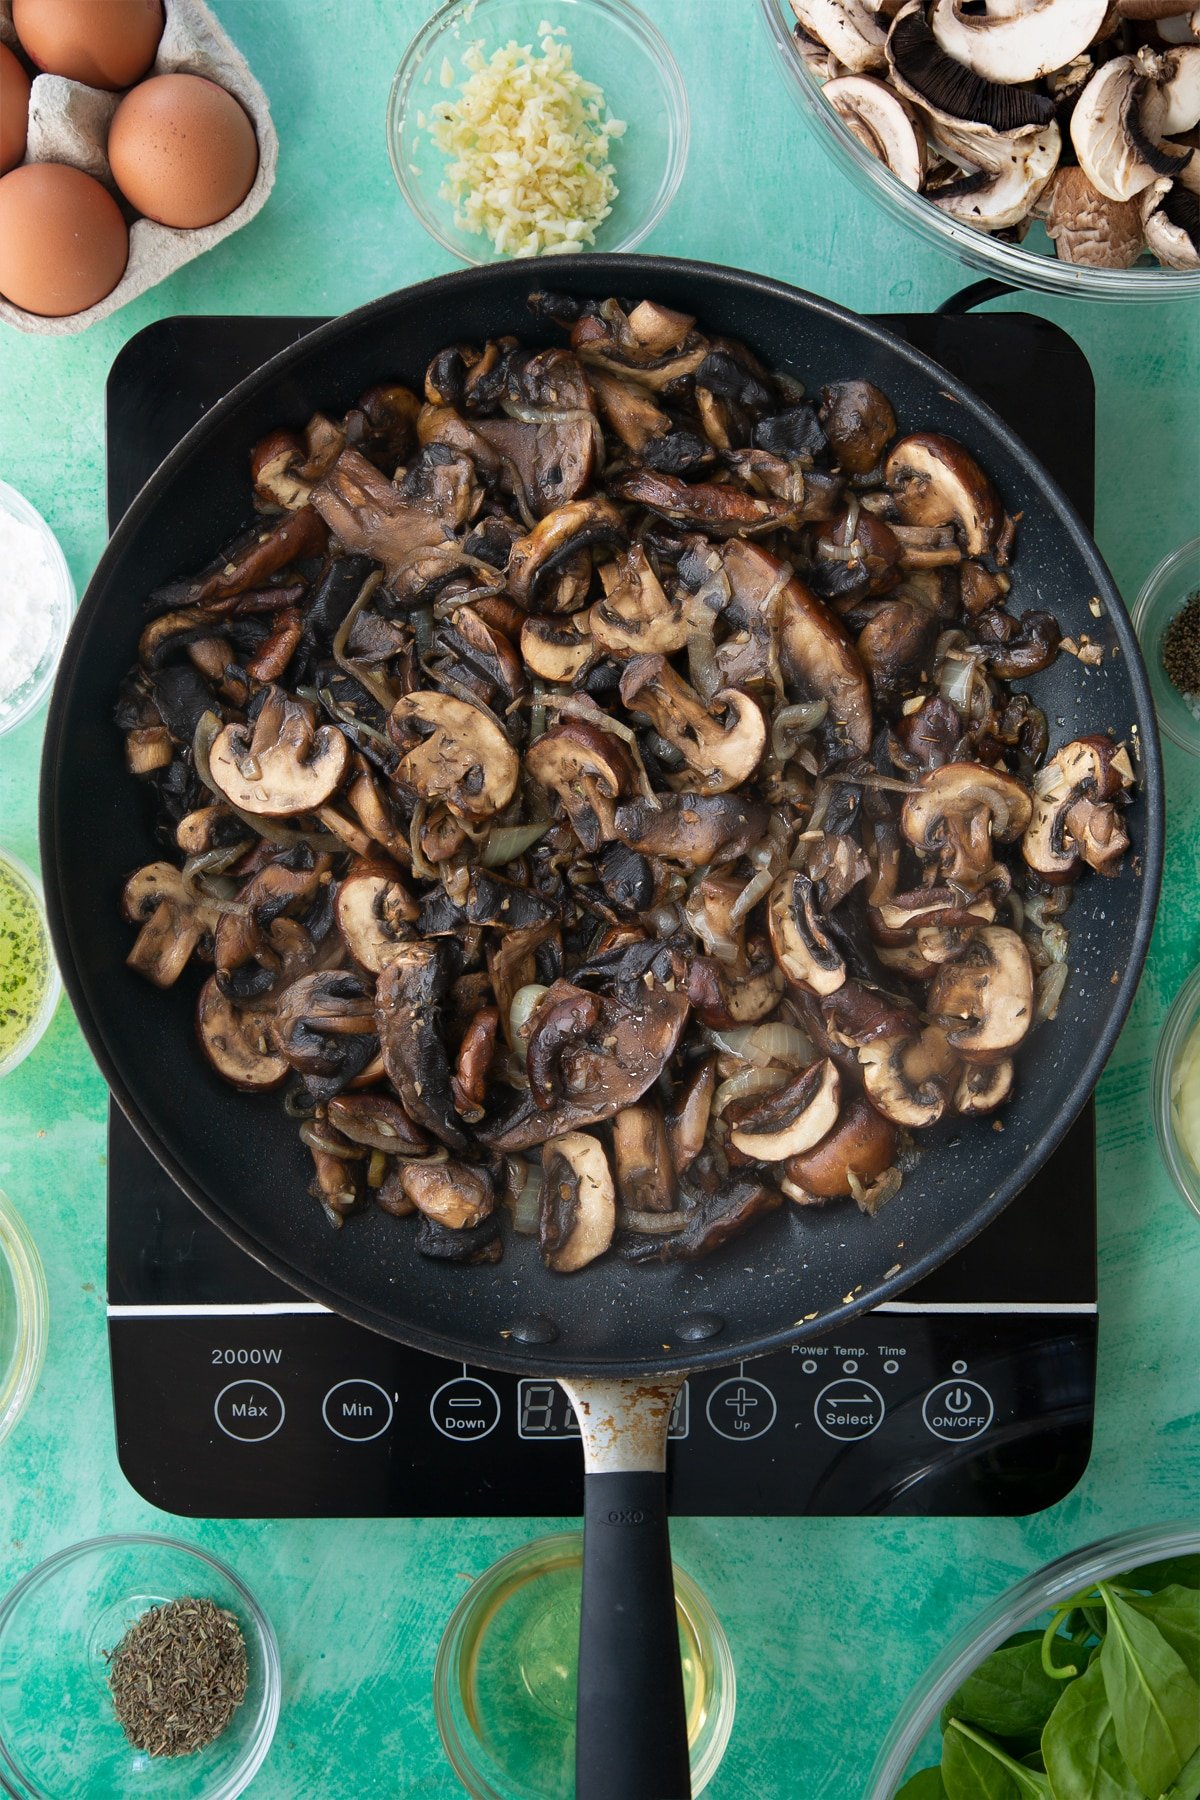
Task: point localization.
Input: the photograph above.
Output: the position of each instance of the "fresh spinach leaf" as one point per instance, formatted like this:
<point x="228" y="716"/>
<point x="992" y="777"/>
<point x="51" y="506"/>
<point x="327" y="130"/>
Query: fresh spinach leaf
<point x="1079" y="1745"/>
<point x="1009" y="1693"/>
<point x="1187" y="1784"/>
<point x="1181" y="1570"/>
<point x="1176" y="1612"/>
<point x="974" y="1768"/>
<point x="1155" y="1702"/>
<point x="927" y="1785"/>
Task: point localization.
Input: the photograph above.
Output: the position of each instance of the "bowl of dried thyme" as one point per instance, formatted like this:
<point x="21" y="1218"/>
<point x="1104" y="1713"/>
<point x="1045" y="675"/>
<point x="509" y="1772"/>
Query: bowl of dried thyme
<point x="1166" y="617"/>
<point x="134" y="1663"/>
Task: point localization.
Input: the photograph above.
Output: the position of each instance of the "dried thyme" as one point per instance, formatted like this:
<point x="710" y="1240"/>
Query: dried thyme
<point x="1181" y="648"/>
<point x="178" y="1676"/>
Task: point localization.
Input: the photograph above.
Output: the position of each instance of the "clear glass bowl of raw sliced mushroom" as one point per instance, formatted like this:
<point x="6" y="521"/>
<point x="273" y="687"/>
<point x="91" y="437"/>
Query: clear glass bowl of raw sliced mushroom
<point x="1052" y="143"/>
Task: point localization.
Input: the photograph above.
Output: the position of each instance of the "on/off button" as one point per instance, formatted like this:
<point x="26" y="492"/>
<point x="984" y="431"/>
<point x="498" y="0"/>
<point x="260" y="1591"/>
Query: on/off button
<point x="957" y="1411"/>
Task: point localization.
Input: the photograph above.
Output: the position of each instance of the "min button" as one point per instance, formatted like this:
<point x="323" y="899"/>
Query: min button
<point x="251" y="1411"/>
<point x="357" y="1411"/>
<point x="957" y="1411"/>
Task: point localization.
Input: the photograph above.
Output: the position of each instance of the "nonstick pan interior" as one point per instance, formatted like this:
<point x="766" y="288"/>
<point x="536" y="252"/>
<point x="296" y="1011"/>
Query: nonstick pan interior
<point x="239" y="1157"/>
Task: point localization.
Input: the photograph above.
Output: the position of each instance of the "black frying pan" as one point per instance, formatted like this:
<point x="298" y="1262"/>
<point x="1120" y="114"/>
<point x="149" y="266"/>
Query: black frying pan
<point x="631" y="1330"/>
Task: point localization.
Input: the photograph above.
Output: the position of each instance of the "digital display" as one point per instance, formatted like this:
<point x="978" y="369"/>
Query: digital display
<point x="544" y="1411"/>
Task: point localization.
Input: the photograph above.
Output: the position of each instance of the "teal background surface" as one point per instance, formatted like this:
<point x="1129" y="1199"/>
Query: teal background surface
<point x="830" y="1621"/>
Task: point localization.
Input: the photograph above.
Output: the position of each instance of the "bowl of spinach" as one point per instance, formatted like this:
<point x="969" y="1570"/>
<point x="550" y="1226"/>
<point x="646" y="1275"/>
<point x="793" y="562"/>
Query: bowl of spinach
<point x="1081" y="1683"/>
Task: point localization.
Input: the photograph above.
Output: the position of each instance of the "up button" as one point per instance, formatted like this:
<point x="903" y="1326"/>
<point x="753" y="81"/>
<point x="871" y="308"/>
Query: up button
<point x="957" y="1411"/>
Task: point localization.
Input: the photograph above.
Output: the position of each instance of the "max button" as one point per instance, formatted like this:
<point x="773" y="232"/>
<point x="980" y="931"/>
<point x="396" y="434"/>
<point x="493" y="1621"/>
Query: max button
<point x="465" y="1408"/>
<point x="251" y="1411"/>
<point x="957" y="1411"/>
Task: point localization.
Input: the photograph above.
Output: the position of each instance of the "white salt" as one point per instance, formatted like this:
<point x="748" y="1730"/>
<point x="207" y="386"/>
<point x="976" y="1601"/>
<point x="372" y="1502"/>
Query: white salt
<point x="29" y="588"/>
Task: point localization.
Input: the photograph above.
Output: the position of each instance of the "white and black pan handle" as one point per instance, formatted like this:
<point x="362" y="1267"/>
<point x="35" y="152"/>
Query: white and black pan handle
<point x="631" y="1723"/>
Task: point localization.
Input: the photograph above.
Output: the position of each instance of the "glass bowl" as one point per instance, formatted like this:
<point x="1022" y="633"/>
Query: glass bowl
<point x="914" y="1739"/>
<point x="1180" y="1033"/>
<point x="20" y="886"/>
<point x="504" y="1681"/>
<point x="60" y="604"/>
<point x="1023" y="264"/>
<point x="24" y="1311"/>
<point x="1163" y="593"/>
<point x="59" y="1736"/>
<point x="613" y="46"/>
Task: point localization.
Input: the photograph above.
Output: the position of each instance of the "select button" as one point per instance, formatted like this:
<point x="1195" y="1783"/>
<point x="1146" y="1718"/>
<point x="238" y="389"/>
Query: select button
<point x="357" y="1411"/>
<point x="251" y="1411"/>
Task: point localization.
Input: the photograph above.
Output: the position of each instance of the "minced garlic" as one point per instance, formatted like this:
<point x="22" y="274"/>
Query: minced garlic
<point x="529" y="141"/>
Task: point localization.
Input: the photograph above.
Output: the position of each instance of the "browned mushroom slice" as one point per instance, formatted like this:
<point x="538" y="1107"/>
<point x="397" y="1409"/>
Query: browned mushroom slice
<point x="324" y="1025"/>
<point x="959" y="812"/>
<point x="475" y="1055"/>
<point x="722" y="509"/>
<point x="635" y="617"/>
<point x="982" y="1087"/>
<point x="697" y="829"/>
<point x="282" y="472"/>
<point x="470" y="653"/>
<point x="628" y="410"/>
<point x="862" y="1143"/>
<point x="802" y="946"/>
<point x="375" y="914"/>
<point x="721" y="753"/>
<point x="1074" y="817"/>
<point x="237" y="1042"/>
<point x="338" y="1180"/>
<point x="558" y="647"/>
<point x="513" y="964"/>
<point x="791" y="1120"/>
<point x="687" y="1120"/>
<point x="645" y="1175"/>
<point x="820" y="663"/>
<point x="613" y="344"/>
<point x="859" y="422"/>
<point x="252" y="561"/>
<point x="908" y="1078"/>
<point x="895" y="646"/>
<point x="454" y="1194"/>
<point x="409" y="998"/>
<point x="543" y="464"/>
<point x="173" y="922"/>
<point x="284" y="888"/>
<point x="589" y="771"/>
<point x="934" y="481"/>
<point x="556" y="540"/>
<point x="984" y="996"/>
<point x="453" y="752"/>
<point x="369" y="513"/>
<point x="281" y="762"/>
<point x="579" y="1208"/>
<point x="737" y="983"/>
<point x="377" y="1122"/>
<point x="719" y="1208"/>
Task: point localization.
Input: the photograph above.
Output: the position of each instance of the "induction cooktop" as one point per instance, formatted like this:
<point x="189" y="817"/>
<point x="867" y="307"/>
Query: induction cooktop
<point x="235" y="1398"/>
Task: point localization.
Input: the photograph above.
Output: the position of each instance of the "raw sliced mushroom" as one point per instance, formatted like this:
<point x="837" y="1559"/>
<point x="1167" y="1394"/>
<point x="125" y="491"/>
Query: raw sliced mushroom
<point x="959" y="812"/>
<point x="722" y="751"/>
<point x="934" y="481"/>
<point x="1117" y="129"/>
<point x="578" y="1208"/>
<point x="883" y="123"/>
<point x="1074" y="817"/>
<point x="948" y="89"/>
<point x="1169" y="214"/>
<point x="1088" y="228"/>
<point x="1004" y="179"/>
<point x="237" y="1042"/>
<point x="862" y="1144"/>
<point x="1018" y="40"/>
<point x="173" y="921"/>
<point x="849" y="28"/>
<point x="789" y="1121"/>
<point x="453" y="752"/>
<point x="281" y="761"/>
<point x="984" y="996"/>
<point x="803" y="948"/>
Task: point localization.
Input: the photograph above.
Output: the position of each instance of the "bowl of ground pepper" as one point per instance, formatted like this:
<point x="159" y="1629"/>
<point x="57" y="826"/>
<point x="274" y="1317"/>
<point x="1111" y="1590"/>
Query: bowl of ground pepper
<point x="134" y="1664"/>
<point x="1166" y="617"/>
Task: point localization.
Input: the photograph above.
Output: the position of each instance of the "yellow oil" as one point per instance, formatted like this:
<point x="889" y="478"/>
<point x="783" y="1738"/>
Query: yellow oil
<point x="24" y="960"/>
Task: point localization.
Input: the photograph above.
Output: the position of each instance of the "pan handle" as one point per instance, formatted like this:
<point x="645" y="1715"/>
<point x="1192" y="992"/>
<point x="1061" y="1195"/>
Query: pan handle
<point x="631" y="1723"/>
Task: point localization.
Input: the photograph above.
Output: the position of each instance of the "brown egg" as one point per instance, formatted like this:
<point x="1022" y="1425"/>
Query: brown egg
<point x="63" y="242"/>
<point x="14" y="110"/>
<point x="182" y="150"/>
<point x="107" y="43"/>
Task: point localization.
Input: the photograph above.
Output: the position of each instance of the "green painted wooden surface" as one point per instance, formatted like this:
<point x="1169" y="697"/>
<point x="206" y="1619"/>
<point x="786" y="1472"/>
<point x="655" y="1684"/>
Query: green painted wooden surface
<point x="830" y="1621"/>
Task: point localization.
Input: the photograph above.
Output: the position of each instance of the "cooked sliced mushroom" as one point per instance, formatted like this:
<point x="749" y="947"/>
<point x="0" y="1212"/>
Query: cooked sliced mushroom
<point x="724" y="510"/>
<point x="802" y="946"/>
<point x="849" y="28"/>
<point x="237" y="1042"/>
<point x="629" y="410"/>
<point x="556" y="541"/>
<point x="698" y="829"/>
<point x="285" y="471"/>
<point x="457" y="1195"/>
<point x="635" y="617"/>
<point x="982" y="1087"/>
<point x="862" y="1144"/>
<point x="1019" y="40"/>
<point x="907" y="1078"/>
<point x="558" y="647"/>
<point x="375" y="914"/>
<point x="377" y="1122"/>
<point x="735" y="984"/>
<point x="721" y="752"/>
<point x="1074" y="817"/>
<point x="984" y="996"/>
<point x="1118" y="126"/>
<point x="789" y="1121"/>
<point x="280" y="761"/>
<point x="453" y="752"/>
<point x="687" y="1120"/>
<point x="934" y="481"/>
<point x="589" y="770"/>
<point x="409" y="997"/>
<point x="960" y="812"/>
<point x="394" y="523"/>
<point x="324" y="1025"/>
<point x="337" y="1181"/>
<point x="579" y="1207"/>
<point x="173" y="922"/>
<point x="475" y="1055"/>
<point x="641" y="1153"/>
<point x="882" y="122"/>
<point x="947" y="89"/>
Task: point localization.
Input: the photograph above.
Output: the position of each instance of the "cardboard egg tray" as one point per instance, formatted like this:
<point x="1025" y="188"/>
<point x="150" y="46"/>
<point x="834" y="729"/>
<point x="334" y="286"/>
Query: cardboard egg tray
<point x="68" y="123"/>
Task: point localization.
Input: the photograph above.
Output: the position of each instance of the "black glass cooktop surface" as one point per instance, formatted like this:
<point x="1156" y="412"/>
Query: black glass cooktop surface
<point x="234" y="1397"/>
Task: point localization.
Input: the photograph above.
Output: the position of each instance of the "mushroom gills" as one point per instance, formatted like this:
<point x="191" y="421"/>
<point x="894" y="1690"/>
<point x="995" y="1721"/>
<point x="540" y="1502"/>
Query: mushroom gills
<point x="578" y="1206"/>
<point x="883" y="123"/>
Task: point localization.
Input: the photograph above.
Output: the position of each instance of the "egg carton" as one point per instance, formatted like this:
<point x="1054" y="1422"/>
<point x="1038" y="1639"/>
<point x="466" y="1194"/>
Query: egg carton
<point x="68" y="123"/>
